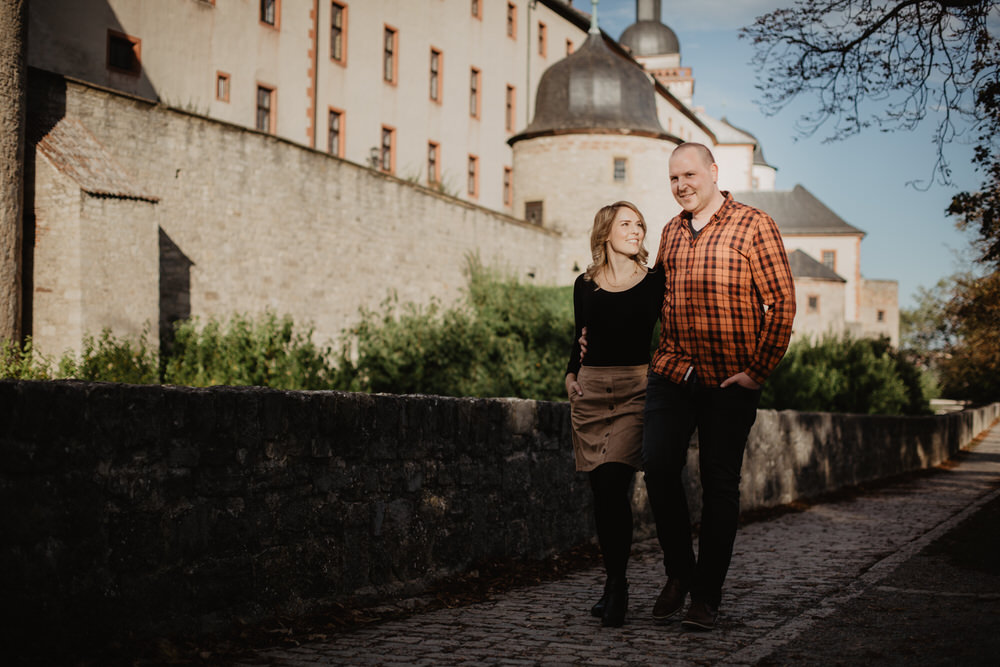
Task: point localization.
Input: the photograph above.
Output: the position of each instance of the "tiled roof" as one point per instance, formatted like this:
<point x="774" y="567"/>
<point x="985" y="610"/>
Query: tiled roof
<point x="804" y="266"/>
<point x="75" y="152"/>
<point x="797" y="211"/>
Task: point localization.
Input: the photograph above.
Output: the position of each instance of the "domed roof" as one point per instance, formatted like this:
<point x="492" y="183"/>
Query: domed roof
<point x="593" y="89"/>
<point x="650" y="38"/>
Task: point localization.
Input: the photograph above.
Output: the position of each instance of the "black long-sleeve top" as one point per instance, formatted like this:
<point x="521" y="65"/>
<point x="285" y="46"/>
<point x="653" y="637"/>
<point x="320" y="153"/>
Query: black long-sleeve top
<point x="619" y="324"/>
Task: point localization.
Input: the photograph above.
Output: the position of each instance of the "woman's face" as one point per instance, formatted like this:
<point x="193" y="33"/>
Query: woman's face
<point x="626" y="234"/>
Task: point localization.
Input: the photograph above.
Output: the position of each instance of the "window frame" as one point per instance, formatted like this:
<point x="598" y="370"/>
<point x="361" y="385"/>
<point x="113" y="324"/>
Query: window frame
<point x="614" y="169"/>
<point x="510" y="108"/>
<point x="543" y="40"/>
<point x="435" y="89"/>
<point x="136" y="47"/>
<point x="387" y="54"/>
<point x="531" y="205"/>
<point x="477" y="9"/>
<point x="833" y="263"/>
<point x="508" y="186"/>
<point x="569" y="46"/>
<point x="341" y="117"/>
<point x="277" y="14"/>
<point x="342" y="60"/>
<point x="272" y="111"/>
<point x="222" y="77"/>
<point x="475" y="92"/>
<point x="434" y="180"/>
<point x="511" y="20"/>
<point x="472" y="173"/>
<point x="812" y="303"/>
<point x="391" y="132"/>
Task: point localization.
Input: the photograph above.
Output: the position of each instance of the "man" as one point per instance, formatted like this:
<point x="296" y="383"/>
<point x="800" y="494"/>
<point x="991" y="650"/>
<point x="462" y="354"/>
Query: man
<point x="726" y="320"/>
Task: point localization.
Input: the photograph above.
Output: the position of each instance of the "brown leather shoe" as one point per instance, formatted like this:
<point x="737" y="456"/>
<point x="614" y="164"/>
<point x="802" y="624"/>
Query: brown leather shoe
<point x="700" y="616"/>
<point x="670" y="600"/>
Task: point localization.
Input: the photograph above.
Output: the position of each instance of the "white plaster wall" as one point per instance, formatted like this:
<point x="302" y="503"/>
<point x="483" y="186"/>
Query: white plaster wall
<point x="828" y="318"/>
<point x="848" y="262"/>
<point x="735" y="164"/>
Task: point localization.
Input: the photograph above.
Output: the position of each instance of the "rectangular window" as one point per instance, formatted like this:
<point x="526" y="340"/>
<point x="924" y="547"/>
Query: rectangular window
<point x="813" y="304"/>
<point x="880" y="315"/>
<point x="474" y="93"/>
<point x="473" y="185"/>
<point x="569" y="47"/>
<point x="512" y="20"/>
<point x="124" y="53"/>
<point x="620" y="167"/>
<point x="338" y="32"/>
<point x="222" y="86"/>
<point x="387" y="160"/>
<point x="265" y="108"/>
<point x="270" y="10"/>
<point x="830" y="259"/>
<point x="509" y="109"/>
<point x="542" y="40"/>
<point x="533" y="212"/>
<point x="390" y="47"/>
<point x="435" y="75"/>
<point x="335" y="133"/>
<point x="476" y="9"/>
<point x="433" y="163"/>
<point x="508" y="194"/>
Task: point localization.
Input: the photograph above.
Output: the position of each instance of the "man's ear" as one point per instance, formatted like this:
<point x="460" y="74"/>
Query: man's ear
<point x="715" y="173"/>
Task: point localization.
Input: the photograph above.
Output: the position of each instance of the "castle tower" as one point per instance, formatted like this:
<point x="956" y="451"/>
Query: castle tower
<point x="595" y="139"/>
<point x="655" y="45"/>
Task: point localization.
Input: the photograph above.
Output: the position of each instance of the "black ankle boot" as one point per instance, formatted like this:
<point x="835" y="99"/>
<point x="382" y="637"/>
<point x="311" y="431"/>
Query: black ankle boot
<point x="598" y="608"/>
<point x="616" y="594"/>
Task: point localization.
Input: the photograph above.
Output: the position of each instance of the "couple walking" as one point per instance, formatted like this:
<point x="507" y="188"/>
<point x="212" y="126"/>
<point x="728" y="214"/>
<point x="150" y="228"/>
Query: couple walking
<point x="722" y="289"/>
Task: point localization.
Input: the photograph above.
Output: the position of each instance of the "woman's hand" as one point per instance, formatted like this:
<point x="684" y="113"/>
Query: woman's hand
<point x="572" y="386"/>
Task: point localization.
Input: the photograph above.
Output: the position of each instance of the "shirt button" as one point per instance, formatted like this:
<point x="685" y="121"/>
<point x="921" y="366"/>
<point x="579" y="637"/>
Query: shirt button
<point x="611" y="406"/>
<point x="608" y="390"/>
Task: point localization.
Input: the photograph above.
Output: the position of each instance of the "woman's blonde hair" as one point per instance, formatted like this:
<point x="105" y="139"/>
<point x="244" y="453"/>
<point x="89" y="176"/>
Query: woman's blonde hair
<point x="602" y="230"/>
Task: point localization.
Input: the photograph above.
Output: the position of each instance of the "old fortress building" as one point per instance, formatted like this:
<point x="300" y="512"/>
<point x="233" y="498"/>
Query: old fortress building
<point x="204" y="157"/>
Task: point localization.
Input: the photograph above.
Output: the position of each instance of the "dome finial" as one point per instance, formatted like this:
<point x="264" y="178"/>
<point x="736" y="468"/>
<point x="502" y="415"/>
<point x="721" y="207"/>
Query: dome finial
<point x="594" y="30"/>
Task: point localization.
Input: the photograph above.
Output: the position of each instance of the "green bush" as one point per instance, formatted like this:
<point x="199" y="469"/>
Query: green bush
<point x="503" y="339"/>
<point x="109" y="359"/>
<point x="844" y="374"/>
<point x="21" y="362"/>
<point x="266" y="352"/>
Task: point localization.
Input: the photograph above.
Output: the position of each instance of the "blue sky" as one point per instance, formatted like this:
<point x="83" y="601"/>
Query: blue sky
<point x="864" y="179"/>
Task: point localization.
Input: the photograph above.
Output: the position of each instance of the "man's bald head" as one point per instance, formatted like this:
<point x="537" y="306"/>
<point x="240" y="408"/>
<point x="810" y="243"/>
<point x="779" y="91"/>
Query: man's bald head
<point x="701" y="150"/>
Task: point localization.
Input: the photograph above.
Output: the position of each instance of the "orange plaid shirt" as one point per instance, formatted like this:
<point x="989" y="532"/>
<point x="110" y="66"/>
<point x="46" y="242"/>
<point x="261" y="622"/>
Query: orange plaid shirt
<point x="729" y="300"/>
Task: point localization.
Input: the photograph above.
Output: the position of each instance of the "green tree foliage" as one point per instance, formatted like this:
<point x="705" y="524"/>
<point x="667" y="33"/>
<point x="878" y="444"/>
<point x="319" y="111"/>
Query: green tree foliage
<point x="881" y="65"/>
<point x="266" y="352"/>
<point x="845" y="374"/>
<point x="971" y="368"/>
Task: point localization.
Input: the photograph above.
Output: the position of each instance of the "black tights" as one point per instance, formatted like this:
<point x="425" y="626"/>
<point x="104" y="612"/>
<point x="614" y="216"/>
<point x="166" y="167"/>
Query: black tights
<point x="612" y="486"/>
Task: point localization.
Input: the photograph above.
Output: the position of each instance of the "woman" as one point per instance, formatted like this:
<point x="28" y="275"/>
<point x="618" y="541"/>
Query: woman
<point x="618" y="300"/>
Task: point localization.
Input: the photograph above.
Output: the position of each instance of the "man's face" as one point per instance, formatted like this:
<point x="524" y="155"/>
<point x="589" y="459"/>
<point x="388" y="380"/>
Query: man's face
<point x="692" y="181"/>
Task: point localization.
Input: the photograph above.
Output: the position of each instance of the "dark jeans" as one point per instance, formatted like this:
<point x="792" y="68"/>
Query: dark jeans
<point x="723" y="418"/>
<point x="612" y="487"/>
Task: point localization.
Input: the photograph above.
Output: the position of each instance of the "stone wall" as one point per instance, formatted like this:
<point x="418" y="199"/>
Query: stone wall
<point x="246" y="221"/>
<point x="175" y="510"/>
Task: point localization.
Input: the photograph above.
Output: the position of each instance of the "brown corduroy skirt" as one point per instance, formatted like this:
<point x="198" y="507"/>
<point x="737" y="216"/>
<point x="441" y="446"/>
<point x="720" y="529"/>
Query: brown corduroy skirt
<point x="607" y="419"/>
